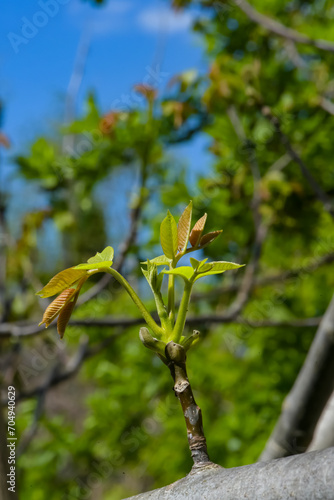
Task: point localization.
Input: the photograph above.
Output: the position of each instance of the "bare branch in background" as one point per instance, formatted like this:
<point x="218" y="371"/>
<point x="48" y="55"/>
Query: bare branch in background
<point x="29" y="433"/>
<point x="246" y="285"/>
<point x="86" y="352"/>
<point x="308" y="397"/>
<point x="279" y="29"/>
<point x="317" y="189"/>
<point x="15" y="330"/>
<point x="280" y="164"/>
<point x="123" y="250"/>
<point x="327" y="105"/>
<point x="72" y="367"/>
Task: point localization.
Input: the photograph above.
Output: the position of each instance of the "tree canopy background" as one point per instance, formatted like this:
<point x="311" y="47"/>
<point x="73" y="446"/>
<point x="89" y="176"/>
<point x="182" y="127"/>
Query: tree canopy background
<point x="263" y="106"/>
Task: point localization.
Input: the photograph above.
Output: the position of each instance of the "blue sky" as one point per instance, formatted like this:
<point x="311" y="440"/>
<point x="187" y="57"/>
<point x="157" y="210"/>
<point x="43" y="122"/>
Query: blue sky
<point x="128" y="38"/>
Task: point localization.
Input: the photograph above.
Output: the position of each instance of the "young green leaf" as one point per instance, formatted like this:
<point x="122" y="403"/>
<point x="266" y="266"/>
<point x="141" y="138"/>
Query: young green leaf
<point x="215" y="268"/>
<point x="94" y="265"/>
<point x="99" y="261"/>
<point x="153" y="278"/>
<point x="186" y="272"/>
<point x="187" y="342"/>
<point x="61" y="281"/>
<point x="197" y="231"/>
<point x="162" y="260"/>
<point x="168" y="236"/>
<point x="209" y="238"/>
<point x="105" y="256"/>
<point x="183" y="228"/>
<point x="196" y="263"/>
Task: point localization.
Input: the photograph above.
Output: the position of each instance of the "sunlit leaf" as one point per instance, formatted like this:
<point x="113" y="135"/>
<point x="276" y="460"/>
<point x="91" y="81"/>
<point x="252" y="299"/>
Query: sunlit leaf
<point x="56" y="306"/>
<point x="196" y="263"/>
<point x="99" y="261"/>
<point x="61" y="281"/>
<point x="222" y="265"/>
<point x="186" y="272"/>
<point x="209" y="238"/>
<point x="94" y="265"/>
<point x="168" y="236"/>
<point x="106" y="255"/>
<point x="161" y="260"/>
<point x="183" y="228"/>
<point x="218" y="267"/>
<point x="197" y="231"/>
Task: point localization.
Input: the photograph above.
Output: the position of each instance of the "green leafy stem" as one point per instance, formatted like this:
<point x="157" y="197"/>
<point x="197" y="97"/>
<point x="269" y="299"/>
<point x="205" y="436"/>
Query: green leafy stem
<point x="175" y="239"/>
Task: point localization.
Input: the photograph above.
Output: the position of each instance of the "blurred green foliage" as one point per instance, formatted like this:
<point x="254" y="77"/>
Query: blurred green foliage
<point x="116" y="429"/>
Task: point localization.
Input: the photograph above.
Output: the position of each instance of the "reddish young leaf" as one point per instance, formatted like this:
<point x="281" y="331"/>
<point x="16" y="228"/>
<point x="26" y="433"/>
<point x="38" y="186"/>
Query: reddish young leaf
<point x="56" y="306"/>
<point x="65" y="315"/>
<point x="197" y="230"/>
<point x="4" y="141"/>
<point x="209" y="238"/>
<point x="109" y="122"/>
<point x="146" y="90"/>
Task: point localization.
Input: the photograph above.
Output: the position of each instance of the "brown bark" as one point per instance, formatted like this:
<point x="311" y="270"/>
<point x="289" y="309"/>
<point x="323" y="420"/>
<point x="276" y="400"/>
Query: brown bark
<point x="176" y="359"/>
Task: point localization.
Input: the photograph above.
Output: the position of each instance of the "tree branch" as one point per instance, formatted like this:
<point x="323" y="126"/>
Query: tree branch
<point x="305" y="477"/>
<point x="84" y="352"/>
<point x="125" y="246"/>
<point x="324" y="433"/>
<point x="73" y="366"/>
<point x="279" y="29"/>
<point x="246" y="286"/>
<point x="17" y="330"/>
<point x="308" y="397"/>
